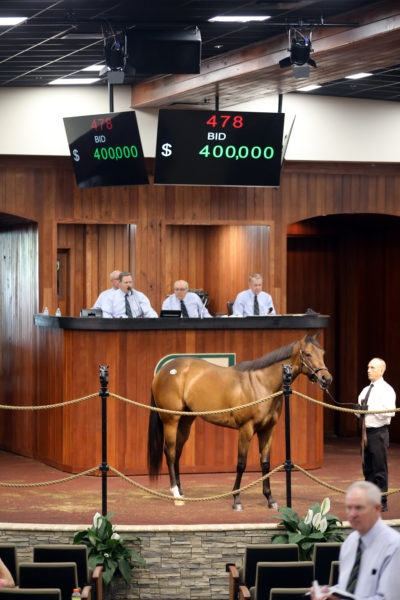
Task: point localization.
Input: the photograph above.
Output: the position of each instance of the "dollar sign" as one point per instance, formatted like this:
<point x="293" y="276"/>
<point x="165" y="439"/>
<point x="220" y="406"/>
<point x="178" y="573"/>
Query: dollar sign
<point x="166" y="149"/>
<point x="77" y="158"/>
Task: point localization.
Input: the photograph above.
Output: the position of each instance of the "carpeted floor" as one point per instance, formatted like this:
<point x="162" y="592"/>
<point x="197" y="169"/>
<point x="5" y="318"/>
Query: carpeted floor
<point x="76" y="501"/>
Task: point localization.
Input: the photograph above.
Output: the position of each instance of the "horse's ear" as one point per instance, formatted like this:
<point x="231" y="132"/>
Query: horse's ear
<point x="317" y="335"/>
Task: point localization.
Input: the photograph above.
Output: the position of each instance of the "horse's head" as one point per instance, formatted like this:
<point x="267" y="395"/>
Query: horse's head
<point x="311" y="356"/>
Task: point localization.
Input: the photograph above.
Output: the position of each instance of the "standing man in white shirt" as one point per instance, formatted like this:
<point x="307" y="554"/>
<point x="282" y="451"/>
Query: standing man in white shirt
<point x="127" y="302"/>
<point x="254" y="301"/>
<point x="188" y="302"/>
<point x="114" y="278"/>
<point x="379" y="395"/>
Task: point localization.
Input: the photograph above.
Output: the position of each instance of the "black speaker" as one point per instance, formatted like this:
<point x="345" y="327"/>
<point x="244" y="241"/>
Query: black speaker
<point x="156" y="52"/>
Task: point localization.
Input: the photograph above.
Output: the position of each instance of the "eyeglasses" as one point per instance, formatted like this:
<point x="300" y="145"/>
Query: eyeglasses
<point x="180" y="289"/>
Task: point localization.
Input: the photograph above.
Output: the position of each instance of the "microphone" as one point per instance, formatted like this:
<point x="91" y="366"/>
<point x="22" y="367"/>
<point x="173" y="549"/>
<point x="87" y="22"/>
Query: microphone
<point x="135" y="301"/>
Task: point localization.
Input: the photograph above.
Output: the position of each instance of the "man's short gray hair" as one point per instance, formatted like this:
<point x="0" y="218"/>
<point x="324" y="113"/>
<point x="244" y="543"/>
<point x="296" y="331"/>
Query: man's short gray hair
<point x="372" y="492"/>
<point x="255" y="276"/>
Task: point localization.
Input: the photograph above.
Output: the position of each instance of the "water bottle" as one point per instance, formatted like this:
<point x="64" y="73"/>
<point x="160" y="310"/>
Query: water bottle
<point x="58" y="312"/>
<point x="45" y="311"/>
<point x="76" y="594"/>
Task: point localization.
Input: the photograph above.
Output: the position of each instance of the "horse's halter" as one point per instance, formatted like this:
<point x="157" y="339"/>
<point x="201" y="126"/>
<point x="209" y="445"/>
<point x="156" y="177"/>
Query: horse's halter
<point x="312" y="375"/>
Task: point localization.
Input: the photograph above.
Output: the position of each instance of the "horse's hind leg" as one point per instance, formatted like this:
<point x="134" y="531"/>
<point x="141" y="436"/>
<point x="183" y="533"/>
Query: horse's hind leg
<point x="245" y="435"/>
<point x="264" y="442"/>
<point x="170" y="436"/>
<point x="182" y="435"/>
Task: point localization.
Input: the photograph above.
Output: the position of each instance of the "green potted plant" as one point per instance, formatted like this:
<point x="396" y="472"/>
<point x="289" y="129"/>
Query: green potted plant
<point x="106" y="547"/>
<point x="316" y="526"/>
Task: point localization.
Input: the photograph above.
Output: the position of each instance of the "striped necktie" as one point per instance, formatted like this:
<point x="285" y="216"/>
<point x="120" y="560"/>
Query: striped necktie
<point x="352" y="582"/>
<point x="185" y="313"/>
<point x="128" y="307"/>
<point x="256" y="306"/>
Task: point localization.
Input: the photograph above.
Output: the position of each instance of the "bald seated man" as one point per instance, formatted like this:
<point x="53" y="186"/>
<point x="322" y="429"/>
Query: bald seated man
<point x="381" y="395"/>
<point x="372" y="544"/>
<point x="188" y="302"/>
<point x="101" y="300"/>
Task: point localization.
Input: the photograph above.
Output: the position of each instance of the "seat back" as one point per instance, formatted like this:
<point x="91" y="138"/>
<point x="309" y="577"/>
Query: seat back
<point x="288" y="593"/>
<point x="334" y="574"/>
<point x="8" y="554"/>
<point x="324" y="554"/>
<point x="29" y="594"/>
<point x="282" y="575"/>
<point x="229" y="306"/>
<point x="65" y="553"/>
<point x="61" y="576"/>
<point x="265" y="553"/>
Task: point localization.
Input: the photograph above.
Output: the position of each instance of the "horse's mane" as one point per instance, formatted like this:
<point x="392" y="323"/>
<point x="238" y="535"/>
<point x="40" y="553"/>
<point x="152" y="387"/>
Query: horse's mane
<point x="267" y="360"/>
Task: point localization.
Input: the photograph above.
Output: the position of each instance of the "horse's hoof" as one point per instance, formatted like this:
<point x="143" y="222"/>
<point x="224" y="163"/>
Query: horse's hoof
<point x="273" y="505"/>
<point x="237" y="507"/>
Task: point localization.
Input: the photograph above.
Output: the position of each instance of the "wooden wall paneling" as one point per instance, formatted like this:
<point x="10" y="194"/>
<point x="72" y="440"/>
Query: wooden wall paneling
<point x="18" y="303"/>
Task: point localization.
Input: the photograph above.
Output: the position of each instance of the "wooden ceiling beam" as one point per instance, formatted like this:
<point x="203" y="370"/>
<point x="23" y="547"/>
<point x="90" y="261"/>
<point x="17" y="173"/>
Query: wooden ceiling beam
<point x="254" y="71"/>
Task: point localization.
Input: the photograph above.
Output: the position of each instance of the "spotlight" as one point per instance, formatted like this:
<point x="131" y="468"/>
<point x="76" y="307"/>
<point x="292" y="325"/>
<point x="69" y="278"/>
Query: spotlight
<point x="300" y="49"/>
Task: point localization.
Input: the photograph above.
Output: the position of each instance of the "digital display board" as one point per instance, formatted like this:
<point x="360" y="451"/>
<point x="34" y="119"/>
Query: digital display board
<point x="202" y="147"/>
<point x="106" y="150"/>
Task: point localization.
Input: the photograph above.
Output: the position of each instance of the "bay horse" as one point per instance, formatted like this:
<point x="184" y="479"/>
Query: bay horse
<point x="193" y="385"/>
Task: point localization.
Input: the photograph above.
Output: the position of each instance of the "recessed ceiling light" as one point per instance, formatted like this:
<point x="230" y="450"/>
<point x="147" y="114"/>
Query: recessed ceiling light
<point x="93" y="68"/>
<point x="308" y="88"/>
<point x="4" y="21"/>
<point x="75" y="81"/>
<point x="237" y="19"/>
<point x="358" y="75"/>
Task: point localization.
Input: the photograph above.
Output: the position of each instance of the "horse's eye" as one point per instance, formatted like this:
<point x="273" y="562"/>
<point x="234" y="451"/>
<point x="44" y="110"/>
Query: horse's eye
<point x="308" y="355"/>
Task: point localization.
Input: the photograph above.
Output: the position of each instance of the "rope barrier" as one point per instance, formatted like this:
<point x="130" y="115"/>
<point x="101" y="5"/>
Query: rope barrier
<point x="66" y="403"/>
<point x="342" y="409"/>
<point x="44" y="483"/>
<point x="207" y="498"/>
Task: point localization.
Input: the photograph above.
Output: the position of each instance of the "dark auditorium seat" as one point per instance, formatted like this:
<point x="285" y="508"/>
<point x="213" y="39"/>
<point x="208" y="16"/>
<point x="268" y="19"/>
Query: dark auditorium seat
<point x="30" y="594"/>
<point x="8" y="554"/>
<point x="278" y="575"/>
<point x="246" y="575"/>
<point x="288" y="593"/>
<point x="61" y="576"/>
<point x="77" y="553"/>
<point x="324" y="554"/>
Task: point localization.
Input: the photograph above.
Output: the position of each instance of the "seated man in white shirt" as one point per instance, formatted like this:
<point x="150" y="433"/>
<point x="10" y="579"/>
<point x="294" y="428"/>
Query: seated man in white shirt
<point x="114" y="278"/>
<point x="188" y="302"/>
<point x="127" y="302"/>
<point x="253" y="302"/>
<point x="367" y="553"/>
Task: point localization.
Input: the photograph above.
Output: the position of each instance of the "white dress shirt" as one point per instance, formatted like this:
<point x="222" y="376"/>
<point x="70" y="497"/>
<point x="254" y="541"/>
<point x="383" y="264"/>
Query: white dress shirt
<point x="114" y="306"/>
<point x="193" y="304"/>
<point x="379" y="545"/>
<point x="382" y="396"/>
<point x="103" y="297"/>
<point x="244" y="304"/>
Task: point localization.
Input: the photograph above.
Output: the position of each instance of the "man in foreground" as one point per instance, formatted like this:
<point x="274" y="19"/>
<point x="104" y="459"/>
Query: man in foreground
<point x="253" y="302"/>
<point x="367" y="553"/>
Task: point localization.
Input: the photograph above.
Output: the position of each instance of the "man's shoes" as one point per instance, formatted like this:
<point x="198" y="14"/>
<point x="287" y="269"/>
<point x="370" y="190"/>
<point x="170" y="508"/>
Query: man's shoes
<point x="384" y="508"/>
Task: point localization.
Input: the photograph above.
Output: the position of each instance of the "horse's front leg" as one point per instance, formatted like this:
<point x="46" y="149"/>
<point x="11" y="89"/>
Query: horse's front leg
<point x="264" y="443"/>
<point x="245" y="435"/>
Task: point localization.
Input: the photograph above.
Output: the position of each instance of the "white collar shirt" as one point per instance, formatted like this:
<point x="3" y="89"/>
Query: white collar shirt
<point x="382" y="396"/>
<point x="114" y="306"/>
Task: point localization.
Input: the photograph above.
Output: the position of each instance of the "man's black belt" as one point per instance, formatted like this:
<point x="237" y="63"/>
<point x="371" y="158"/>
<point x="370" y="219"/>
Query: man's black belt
<point x="370" y="429"/>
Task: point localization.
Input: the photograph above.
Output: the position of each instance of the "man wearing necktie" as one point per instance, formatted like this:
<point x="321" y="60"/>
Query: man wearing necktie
<point x="379" y="395"/>
<point x="367" y="553"/>
<point x="188" y="303"/>
<point x="253" y="302"/>
<point x="127" y="303"/>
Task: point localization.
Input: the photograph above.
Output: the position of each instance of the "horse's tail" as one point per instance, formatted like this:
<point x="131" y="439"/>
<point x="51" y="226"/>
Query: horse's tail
<point x="155" y="442"/>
